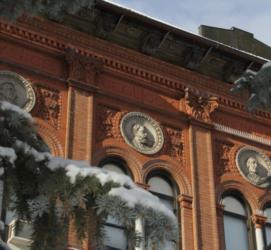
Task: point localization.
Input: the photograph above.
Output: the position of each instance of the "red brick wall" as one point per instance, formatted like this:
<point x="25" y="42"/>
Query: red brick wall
<point x="93" y="99"/>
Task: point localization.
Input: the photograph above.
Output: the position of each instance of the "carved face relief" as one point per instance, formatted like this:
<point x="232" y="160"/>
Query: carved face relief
<point x="142" y="133"/>
<point x="254" y="166"/>
<point x="16" y="90"/>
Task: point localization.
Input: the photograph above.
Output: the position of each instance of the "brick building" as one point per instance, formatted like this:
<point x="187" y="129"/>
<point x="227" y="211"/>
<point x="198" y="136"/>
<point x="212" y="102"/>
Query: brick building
<point x="100" y="72"/>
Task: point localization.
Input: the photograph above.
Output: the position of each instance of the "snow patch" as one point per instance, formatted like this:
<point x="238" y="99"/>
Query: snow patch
<point x="8" y="106"/>
<point x="28" y="150"/>
<point x="8" y="153"/>
<point x="128" y="190"/>
<point x="138" y="195"/>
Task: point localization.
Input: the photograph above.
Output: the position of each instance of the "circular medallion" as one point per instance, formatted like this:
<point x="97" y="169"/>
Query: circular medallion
<point x="254" y="166"/>
<point x="142" y="133"/>
<point x="16" y="90"/>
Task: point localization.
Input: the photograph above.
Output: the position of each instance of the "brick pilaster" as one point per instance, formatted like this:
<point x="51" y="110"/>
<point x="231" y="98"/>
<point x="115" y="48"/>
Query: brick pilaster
<point x="185" y="203"/>
<point x="204" y="212"/>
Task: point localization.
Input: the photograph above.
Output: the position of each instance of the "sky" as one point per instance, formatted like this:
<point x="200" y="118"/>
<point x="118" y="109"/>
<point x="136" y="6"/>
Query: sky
<point x="253" y="16"/>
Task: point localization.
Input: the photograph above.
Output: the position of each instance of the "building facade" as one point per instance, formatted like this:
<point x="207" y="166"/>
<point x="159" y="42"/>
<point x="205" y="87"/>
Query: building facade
<point x="125" y="92"/>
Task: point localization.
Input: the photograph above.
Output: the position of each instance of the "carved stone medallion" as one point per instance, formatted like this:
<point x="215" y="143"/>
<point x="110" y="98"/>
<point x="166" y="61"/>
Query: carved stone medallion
<point x="16" y="90"/>
<point x="142" y="133"/>
<point x="254" y="166"/>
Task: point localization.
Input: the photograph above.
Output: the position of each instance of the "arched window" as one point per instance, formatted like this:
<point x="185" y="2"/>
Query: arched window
<point x="162" y="185"/>
<point x="116" y="238"/>
<point x="267" y="228"/>
<point x="117" y="165"/>
<point x="163" y="188"/>
<point x="237" y="227"/>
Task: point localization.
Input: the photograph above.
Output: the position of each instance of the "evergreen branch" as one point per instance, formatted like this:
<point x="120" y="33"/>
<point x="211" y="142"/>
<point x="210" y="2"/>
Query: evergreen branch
<point x="13" y="9"/>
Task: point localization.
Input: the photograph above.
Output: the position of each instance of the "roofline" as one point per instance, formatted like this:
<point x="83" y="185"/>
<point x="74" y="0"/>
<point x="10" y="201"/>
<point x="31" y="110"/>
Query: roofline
<point x="179" y="32"/>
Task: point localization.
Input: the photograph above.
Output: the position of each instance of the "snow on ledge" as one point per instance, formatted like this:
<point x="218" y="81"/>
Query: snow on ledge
<point x="128" y="190"/>
<point x="8" y="106"/>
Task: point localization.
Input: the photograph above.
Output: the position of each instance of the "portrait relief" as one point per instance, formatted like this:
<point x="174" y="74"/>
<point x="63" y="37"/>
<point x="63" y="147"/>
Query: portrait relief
<point x="8" y="92"/>
<point x="142" y="133"/>
<point x="16" y="90"/>
<point x="254" y="166"/>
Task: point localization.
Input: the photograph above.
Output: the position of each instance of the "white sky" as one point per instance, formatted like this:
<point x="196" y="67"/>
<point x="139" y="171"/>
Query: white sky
<point x="251" y="15"/>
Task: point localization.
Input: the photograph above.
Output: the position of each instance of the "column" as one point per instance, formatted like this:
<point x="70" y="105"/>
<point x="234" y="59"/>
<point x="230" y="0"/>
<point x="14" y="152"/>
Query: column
<point x="259" y="222"/>
<point x="83" y="83"/>
<point x="206" y="235"/>
<point x="186" y="230"/>
<point x="220" y="222"/>
<point x="139" y="223"/>
<point x="199" y="107"/>
<point x="139" y="227"/>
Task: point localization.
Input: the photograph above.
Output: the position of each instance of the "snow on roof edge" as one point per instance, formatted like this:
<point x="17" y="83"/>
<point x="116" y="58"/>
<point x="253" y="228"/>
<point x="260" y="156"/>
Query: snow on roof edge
<point x="183" y="30"/>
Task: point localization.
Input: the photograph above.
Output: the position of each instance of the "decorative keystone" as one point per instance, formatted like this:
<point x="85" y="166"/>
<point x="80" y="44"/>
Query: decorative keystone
<point x="199" y="106"/>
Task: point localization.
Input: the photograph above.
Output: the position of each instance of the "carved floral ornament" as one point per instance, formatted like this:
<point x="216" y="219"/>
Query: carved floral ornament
<point x="107" y="120"/>
<point x="254" y="166"/>
<point x="48" y="105"/>
<point x="16" y="90"/>
<point x="199" y="106"/>
<point x="176" y="140"/>
<point x="142" y="133"/>
<point x="224" y="151"/>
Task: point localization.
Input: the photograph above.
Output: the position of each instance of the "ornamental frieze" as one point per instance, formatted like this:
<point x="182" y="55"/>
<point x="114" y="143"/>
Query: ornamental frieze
<point x="48" y="105"/>
<point x="166" y="78"/>
<point x="176" y="143"/>
<point x="223" y="153"/>
<point x="107" y="122"/>
<point x="199" y="106"/>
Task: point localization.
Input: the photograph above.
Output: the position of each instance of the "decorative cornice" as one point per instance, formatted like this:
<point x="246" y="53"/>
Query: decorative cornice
<point x="241" y="134"/>
<point x="234" y="104"/>
<point x="177" y="77"/>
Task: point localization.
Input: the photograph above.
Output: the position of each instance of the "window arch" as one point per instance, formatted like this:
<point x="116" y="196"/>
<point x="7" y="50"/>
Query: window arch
<point x="267" y="226"/>
<point x="162" y="185"/>
<point x="116" y="238"/>
<point x="238" y="230"/>
<point x="116" y="164"/>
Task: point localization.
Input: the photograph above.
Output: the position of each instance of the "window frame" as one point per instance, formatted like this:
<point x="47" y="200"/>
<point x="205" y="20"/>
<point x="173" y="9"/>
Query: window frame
<point x="122" y="165"/>
<point x="267" y="224"/>
<point x="161" y="173"/>
<point x="250" y="228"/>
<point x="119" y="162"/>
<point x="166" y="177"/>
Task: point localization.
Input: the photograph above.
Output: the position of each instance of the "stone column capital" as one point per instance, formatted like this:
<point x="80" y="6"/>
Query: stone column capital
<point x="258" y="220"/>
<point x="185" y="201"/>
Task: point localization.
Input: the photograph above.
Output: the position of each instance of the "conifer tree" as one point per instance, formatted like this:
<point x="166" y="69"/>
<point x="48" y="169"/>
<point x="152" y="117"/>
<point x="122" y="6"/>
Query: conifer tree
<point x="48" y="191"/>
<point x="13" y="9"/>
